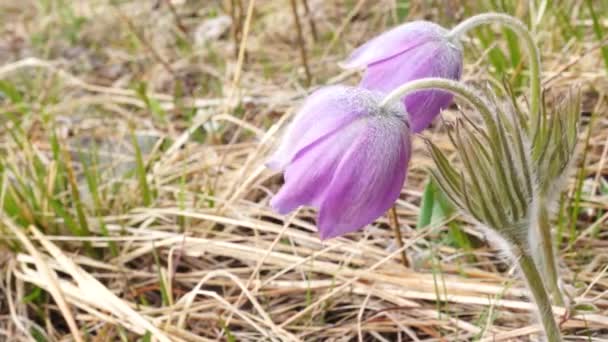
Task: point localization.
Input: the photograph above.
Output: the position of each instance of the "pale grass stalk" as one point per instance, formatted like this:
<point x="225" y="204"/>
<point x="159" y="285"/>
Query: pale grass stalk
<point x="257" y="268"/>
<point x="387" y="291"/>
<point x="241" y="55"/>
<point x="360" y="315"/>
<point x="187" y="300"/>
<point x="595" y="280"/>
<point x="418" y="281"/>
<point x="349" y="282"/>
<point x="95" y="288"/>
<point x="120" y="95"/>
<point x="12" y="309"/>
<point x="79" y="300"/>
<point x="48" y="276"/>
<point x="340" y="30"/>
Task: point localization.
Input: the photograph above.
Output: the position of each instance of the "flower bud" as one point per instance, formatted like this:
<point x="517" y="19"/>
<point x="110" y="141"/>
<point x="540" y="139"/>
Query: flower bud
<point x="554" y="144"/>
<point x="495" y="184"/>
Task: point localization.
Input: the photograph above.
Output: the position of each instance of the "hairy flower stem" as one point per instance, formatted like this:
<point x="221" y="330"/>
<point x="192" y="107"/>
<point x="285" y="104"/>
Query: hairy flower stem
<point x="547" y="262"/>
<point x="451" y="86"/>
<point x="535" y="284"/>
<point x="534" y="55"/>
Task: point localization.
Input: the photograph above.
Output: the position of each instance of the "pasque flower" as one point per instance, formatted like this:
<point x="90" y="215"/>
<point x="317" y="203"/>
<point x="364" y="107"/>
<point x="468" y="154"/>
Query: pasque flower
<point x="345" y="155"/>
<point x="408" y="52"/>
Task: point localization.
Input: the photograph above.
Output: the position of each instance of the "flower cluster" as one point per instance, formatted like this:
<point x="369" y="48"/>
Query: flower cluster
<point x="345" y="153"/>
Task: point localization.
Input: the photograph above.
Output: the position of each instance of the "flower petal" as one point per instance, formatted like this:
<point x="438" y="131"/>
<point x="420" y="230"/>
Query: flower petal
<point x="311" y="171"/>
<point x="432" y="59"/>
<point x="393" y="42"/>
<point x="325" y="111"/>
<point x="368" y="180"/>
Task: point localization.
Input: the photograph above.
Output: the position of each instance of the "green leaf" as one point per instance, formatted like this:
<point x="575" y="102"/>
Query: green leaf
<point x="403" y="10"/>
<point x="495" y="55"/>
<point x="153" y="106"/>
<point x="37" y="334"/>
<point x="9" y="90"/>
<point x="33" y="296"/>
<point x="229" y="336"/>
<point x="586" y="307"/>
<point x="435" y="207"/>
<point x="426" y="205"/>
<point x="147" y="337"/>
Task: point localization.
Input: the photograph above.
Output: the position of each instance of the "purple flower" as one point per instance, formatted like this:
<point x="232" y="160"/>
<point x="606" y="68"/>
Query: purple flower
<point x="408" y="52"/>
<point x="344" y="155"/>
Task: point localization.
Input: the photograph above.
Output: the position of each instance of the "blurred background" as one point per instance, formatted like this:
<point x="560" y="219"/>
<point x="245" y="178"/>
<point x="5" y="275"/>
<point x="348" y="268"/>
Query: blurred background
<point x="134" y="197"/>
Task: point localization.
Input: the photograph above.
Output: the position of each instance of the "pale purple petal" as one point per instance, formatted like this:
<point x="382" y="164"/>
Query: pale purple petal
<point x="368" y="180"/>
<point x="310" y="172"/>
<point x="352" y="172"/>
<point x="432" y="59"/>
<point x="324" y="112"/>
<point x="398" y="40"/>
<point x="408" y="52"/>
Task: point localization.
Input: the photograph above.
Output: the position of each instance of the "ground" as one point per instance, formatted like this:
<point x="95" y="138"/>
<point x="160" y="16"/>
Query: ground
<point x="133" y="137"/>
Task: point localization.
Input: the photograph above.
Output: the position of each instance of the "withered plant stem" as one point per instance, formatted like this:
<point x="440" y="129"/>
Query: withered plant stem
<point x="301" y="44"/>
<point x="144" y="42"/>
<point x="394" y="222"/>
<point x="236" y="14"/>
<point x="311" y="21"/>
<point x="178" y="21"/>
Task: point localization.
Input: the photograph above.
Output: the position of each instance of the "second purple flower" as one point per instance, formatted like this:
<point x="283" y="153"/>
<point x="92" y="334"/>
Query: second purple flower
<point x="408" y="52"/>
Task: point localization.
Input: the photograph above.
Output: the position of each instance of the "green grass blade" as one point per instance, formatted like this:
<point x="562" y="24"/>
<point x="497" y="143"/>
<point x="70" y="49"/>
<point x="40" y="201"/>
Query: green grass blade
<point x="166" y="300"/>
<point x="140" y="170"/>
<point x="599" y="32"/>
<point x="92" y="177"/>
<point x="578" y="190"/>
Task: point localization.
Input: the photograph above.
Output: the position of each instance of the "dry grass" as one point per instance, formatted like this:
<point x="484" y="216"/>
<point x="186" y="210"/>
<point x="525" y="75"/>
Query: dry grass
<point x="180" y="245"/>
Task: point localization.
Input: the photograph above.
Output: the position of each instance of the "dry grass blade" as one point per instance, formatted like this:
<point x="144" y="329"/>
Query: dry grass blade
<point x="47" y="276"/>
<point x="86" y="286"/>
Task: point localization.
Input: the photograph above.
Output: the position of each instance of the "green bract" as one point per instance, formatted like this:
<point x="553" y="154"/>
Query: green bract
<point x="554" y="143"/>
<point x="495" y="184"/>
<point x="504" y="170"/>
